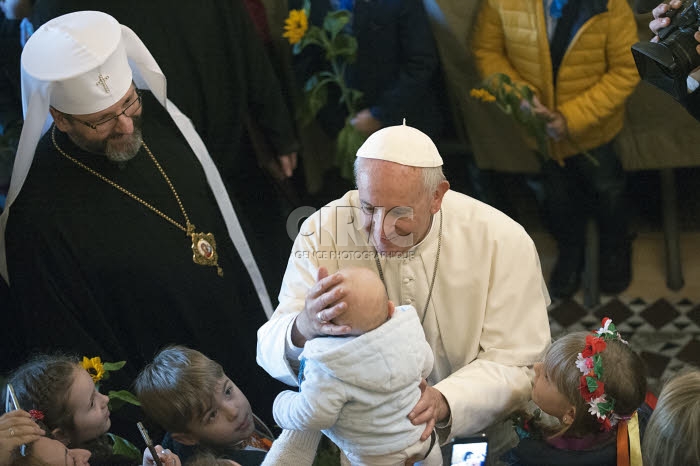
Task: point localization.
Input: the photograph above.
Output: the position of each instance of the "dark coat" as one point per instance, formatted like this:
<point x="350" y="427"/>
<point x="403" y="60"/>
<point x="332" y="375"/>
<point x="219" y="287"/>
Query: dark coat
<point x="10" y="93"/>
<point x="397" y="65"/>
<point x="216" y="65"/>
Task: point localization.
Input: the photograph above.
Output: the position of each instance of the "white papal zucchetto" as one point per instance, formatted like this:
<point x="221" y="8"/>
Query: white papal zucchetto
<point x="403" y="145"/>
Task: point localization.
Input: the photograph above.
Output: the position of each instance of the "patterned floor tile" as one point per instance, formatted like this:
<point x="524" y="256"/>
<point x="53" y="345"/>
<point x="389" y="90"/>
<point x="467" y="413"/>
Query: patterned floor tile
<point x="690" y="353"/>
<point x="694" y="314"/>
<point x="567" y="312"/>
<point x="614" y="309"/>
<point x="660" y="313"/>
<point x="666" y="334"/>
<point x="656" y="363"/>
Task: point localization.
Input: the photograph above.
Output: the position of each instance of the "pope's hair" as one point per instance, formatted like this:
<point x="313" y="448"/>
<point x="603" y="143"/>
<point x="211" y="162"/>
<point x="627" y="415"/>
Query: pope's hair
<point x="432" y="176"/>
<point x="672" y="436"/>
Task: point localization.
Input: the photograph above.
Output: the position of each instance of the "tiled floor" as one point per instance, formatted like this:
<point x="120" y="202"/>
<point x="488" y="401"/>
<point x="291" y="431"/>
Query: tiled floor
<point x="661" y="324"/>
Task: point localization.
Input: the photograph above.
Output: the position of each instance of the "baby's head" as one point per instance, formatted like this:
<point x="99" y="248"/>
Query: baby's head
<point x="368" y="305"/>
<point x="672" y="437"/>
<point x="58" y="386"/>
<point x="558" y="389"/>
<point x="191" y="397"/>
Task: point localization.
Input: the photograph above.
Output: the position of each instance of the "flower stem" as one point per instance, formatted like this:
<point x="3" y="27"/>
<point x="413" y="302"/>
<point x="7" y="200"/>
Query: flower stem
<point x="339" y="74"/>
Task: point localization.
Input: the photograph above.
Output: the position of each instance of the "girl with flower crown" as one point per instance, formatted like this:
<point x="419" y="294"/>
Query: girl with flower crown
<point x="62" y="393"/>
<point x="588" y="391"/>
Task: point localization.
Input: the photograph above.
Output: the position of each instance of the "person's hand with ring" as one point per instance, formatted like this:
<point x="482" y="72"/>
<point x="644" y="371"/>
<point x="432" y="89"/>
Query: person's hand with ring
<point x="16" y="428"/>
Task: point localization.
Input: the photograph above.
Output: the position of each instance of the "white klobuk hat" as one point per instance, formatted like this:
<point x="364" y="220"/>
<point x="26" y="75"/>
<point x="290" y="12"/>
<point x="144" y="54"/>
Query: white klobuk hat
<point x="85" y="62"/>
<point x="403" y="145"/>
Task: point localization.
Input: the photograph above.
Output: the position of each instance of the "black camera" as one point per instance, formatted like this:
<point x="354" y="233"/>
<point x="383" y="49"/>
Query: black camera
<point x="667" y="63"/>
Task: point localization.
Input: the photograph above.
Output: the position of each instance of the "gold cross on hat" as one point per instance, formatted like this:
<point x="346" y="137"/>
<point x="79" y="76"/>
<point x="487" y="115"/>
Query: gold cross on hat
<point x="102" y="81"/>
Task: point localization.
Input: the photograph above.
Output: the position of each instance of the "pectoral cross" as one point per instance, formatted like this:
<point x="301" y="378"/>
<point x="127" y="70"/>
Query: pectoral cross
<point x="102" y="81"/>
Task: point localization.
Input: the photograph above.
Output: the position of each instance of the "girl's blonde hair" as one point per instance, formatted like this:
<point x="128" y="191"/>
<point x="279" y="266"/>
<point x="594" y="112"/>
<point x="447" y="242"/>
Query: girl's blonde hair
<point x="672" y="436"/>
<point x="624" y="378"/>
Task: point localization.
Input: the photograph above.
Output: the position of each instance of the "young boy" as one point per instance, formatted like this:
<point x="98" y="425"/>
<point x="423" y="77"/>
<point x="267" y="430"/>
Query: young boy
<point x="359" y="389"/>
<point x="190" y="396"/>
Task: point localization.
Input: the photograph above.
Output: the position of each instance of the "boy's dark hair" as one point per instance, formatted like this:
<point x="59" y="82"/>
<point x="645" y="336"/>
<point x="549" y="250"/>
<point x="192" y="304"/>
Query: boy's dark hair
<point x="178" y="387"/>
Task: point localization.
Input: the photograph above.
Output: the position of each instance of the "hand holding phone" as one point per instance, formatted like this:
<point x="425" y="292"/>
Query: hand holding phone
<point x="149" y="444"/>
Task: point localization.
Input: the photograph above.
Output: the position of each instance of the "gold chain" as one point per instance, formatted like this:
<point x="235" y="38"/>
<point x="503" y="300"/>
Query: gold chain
<point x="125" y="191"/>
<point x="432" y="282"/>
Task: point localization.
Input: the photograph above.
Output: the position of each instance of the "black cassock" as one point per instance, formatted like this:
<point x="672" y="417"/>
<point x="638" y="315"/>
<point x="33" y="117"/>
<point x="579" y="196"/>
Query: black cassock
<point x="94" y="271"/>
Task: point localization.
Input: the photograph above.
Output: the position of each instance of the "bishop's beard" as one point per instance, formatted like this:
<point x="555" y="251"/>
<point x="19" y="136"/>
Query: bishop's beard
<point x="119" y="148"/>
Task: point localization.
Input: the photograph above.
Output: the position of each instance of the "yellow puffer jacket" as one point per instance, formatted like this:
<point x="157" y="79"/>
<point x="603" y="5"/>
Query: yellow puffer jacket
<point x="596" y="75"/>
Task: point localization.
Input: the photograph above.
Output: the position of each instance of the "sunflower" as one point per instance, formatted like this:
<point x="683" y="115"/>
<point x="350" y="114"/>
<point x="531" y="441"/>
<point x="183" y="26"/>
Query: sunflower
<point x="483" y="95"/>
<point x="94" y="368"/>
<point x="295" y="26"/>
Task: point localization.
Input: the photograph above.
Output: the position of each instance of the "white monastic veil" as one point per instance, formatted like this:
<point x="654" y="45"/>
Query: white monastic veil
<point x="147" y="74"/>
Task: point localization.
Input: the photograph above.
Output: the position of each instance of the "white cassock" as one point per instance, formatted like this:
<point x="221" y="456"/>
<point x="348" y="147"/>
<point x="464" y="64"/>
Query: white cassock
<point x="486" y="320"/>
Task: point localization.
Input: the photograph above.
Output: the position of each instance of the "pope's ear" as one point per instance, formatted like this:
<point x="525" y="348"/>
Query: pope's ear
<point x="438" y="194"/>
<point x="60" y="119"/>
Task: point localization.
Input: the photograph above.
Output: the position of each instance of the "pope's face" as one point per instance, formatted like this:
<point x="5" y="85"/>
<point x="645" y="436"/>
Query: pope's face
<point x="396" y="209"/>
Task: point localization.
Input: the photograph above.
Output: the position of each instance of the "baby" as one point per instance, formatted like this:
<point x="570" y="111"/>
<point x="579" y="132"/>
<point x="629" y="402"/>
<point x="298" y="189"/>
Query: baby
<point x="359" y="389"/>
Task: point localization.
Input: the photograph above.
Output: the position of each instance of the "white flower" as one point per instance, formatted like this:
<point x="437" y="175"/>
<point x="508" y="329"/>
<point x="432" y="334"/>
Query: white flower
<point x="584" y="364"/>
<point x="604" y="329"/>
<point x="593" y="409"/>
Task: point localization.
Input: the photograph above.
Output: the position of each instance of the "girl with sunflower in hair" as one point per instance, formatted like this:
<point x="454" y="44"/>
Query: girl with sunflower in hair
<point x="66" y="393"/>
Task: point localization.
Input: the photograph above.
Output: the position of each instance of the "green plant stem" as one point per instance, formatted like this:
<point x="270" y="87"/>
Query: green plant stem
<point x="339" y="73"/>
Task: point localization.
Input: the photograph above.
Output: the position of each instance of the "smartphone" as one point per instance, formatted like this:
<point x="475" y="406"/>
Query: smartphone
<point x="11" y="403"/>
<point x="470" y="451"/>
<point x="149" y="443"/>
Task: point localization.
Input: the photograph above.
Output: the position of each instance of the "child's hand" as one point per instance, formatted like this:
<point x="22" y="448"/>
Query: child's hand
<point x="167" y="457"/>
<point x="557" y="128"/>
